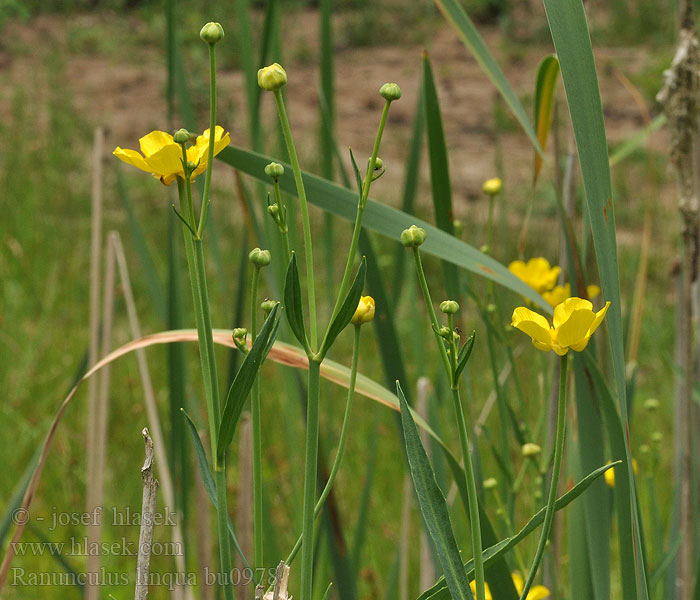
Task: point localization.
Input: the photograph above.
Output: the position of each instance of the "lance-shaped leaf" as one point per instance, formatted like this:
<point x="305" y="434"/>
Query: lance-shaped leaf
<point x="464" y="353"/>
<point x="547" y="75"/>
<point x="243" y="382"/>
<point x="347" y="309"/>
<point x="433" y="506"/>
<point x="292" y="302"/>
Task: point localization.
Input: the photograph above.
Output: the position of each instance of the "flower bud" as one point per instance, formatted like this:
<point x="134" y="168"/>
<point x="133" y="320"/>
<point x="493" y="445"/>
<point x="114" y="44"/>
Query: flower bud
<point x="260" y="258"/>
<point x="272" y="78"/>
<point x="413" y="237"/>
<point x="390" y="92"/>
<point x="485" y="249"/>
<point x="274" y="170"/>
<point x="181" y="136"/>
<point x="274" y="211"/>
<point x="530" y="450"/>
<point x="657" y="437"/>
<point x="651" y="404"/>
<point x="445" y="333"/>
<point x="449" y="307"/>
<point x="267" y="305"/>
<point x="493" y="186"/>
<point x="491" y="308"/>
<point x="458" y="227"/>
<point x="490" y="483"/>
<point x="378" y="163"/>
<point x="239" y="333"/>
<point x="364" y="312"/>
<point x="212" y="33"/>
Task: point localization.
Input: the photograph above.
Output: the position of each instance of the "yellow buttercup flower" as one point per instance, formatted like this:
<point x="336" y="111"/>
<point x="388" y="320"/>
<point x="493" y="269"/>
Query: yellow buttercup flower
<point x="537" y="592"/>
<point x="574" y="323"/>
<point x="537" y="273"/>
<point x="610" y="473"/>
<point x="161" y="156"/>
<point x="493" y="186"/>
<point x="364" y="312"/>
<point x="562" y="292"/>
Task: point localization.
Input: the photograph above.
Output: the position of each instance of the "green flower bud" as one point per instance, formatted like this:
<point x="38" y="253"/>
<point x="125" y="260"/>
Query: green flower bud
<point x="644" y="449"/>
<point x="449" y="307"/>
<point x="272" y="78"/>
<point x="390" y="92"/>
<point x="490" y="483"/>
<point x="651" y="404"/>
<point x="538" y="495"/>
<point x="267" y="305"/>
<point x="274" y="211"/>
<point x="378" y="163"/>
<point x="240" y="333"/>
<point x="491" y="308"/>
<point x="445" y="332"/>
<point x="530" y="450"/>
<point x="657" y="437"/>
<point x="413" y="237"/>
<point x="212" y="33"/>
<point x="181" y="136"/>
<point x="485" y="249"/>
<point x="191" y="166"/>
<point x="274" y="170"/>
<point x="458" y="226"/>
<point x="260" y="258"/>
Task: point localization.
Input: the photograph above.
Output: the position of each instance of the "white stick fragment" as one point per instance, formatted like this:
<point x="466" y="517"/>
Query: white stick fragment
<point x="148" y="510"/>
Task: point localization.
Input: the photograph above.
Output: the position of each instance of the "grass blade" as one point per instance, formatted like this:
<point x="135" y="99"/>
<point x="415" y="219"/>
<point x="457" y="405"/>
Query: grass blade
<point x="433" y="507"/>
<point x="547" y="75"/>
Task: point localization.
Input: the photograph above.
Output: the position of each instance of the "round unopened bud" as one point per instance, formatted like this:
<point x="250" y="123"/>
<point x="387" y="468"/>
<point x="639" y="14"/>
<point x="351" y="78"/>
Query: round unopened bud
<point x="267" y="305"/>
<point x="212" y="33"/>
<point x="445" y="333"/>
<point x="485" y="249"/>
<point x="413" y="237"/>
<point x="274" y="170"/>
<point x="273" y="210"/>
<point x="239" y="333"/>
<point x="181" y="136"/>
<point x="260" y="258"/>
<point x="191" y="166"/>
<point x="378" y="163"/>
<point x="651" y="404"/>
<point x="644" y="449"/>
<point x="657" y="437"/>
<point x="491" y="308"/>
<point x="390" y="92"/>
<point x="492" y="186"/>
<point x="272" y="77"/>
<point x="364" y="312"/>
<point x="458" y="227"/>
<point x="530" y="450"/>
<point x="538" y="495"/>
<point x="449" y="307"/>
<point x="490" y="483"/>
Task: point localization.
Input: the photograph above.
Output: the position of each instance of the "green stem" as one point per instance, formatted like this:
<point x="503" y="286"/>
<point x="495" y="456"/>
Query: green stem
<point x="366" y="184"/>
<point x="341" y="442"/>
<point x="558" y="451"/>
<point x="431" y="311"/>
<point x="283" y="227"/>
<point x="212" y="138"/>
<point x="301" y="192"/>
<point x="257" y="433"/>
<point x="197" y="271"/>
<point x="510" y="530"/>
<point x="477" y="548"/>
<point x="310" y="474"/>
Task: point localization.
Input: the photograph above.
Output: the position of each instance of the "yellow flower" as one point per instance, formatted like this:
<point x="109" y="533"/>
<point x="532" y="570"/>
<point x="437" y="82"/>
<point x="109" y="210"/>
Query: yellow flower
<point x="574" y="323"/>
<point x="488" y="596"/>
<point x="610" y="473"/>
<point x="537" y="273"/>
<point x="537" y="592"/>
<point x="493" y="186"/>
<point x="364" y="312"/>
<point x="562" y="292"/>
<point x="162" y="157"/>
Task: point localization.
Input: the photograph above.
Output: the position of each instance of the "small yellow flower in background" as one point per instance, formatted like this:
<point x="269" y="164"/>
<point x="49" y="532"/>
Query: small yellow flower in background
<point x="562" y="292"/>
<point x="272" y="77"/>
<point x="537" y="592"/>
<point x="364" y="312"/>
<point x="610" y="473"/>
<point x="493" y="186"/>
<point x="488" y="596"/>
<point x="162" y="157"/>
<point x="537" y="273"/>
<point x="574" y="323"/>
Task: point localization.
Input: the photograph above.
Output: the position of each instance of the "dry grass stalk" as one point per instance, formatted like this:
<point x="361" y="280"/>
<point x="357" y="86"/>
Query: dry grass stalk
<point x="148" y="511"/>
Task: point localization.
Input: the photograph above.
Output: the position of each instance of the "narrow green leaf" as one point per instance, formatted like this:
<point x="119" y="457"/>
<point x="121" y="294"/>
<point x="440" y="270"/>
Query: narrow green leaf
<point x="455" y="15"/>
<point x="347" y="309"/>
<point x="632" y="143"/>
<point x="464" y="353"/>
<point x="292" y="302"/>
<point x="208" y="479"/>
<point x="497" y="551"/>
<point x="433" y="506"/>
<point x="356" y="170"/>
<point x="547" y="75"/>
<point x="386" y="220"/>
<point x="243" y="382"/>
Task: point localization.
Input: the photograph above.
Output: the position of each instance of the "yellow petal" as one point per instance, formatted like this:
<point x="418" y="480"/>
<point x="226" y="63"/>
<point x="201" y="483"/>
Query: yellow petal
<point x="201" y="147"/>
<point x="539" y="592"/>
<point x="472" y="585"/>
<point x="167" y="161"/>
<point x="131" y="157"/>
<point x="564" y="310"/>
<point x="599" y="316"/>
<point x="575" y="329"/>
<point x="557" y="295"/>
<point x="535" y="325"/>
<point x="580" y="346"/>
<point x="559" y="350"/>
<point x="592" y="291"/>
<point x="155" y="141"/>
<point x="518" y="582"/>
